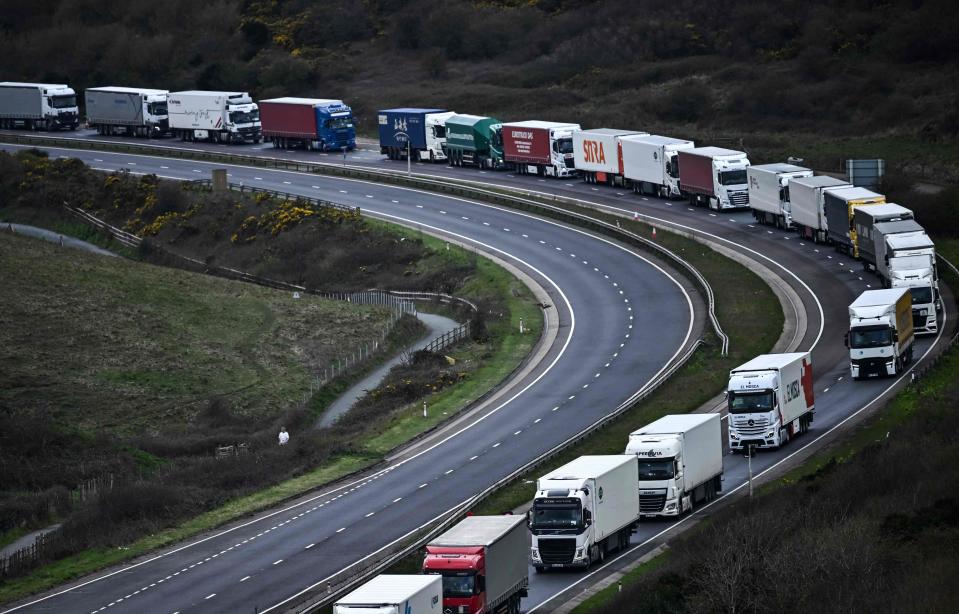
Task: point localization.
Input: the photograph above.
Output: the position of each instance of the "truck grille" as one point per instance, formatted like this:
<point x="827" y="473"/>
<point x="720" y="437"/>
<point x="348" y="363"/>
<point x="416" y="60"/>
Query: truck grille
<point x="651" y="504"/>
<point x="919" y="321"/>
<point x="870" y="365"/>
<point x="739" y="199"/>
<point x="741" y="424"/>
<point x="553" y="551"/>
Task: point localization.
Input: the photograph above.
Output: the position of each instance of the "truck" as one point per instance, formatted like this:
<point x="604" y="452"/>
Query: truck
<point x="394" y="594"/>
<point x="421" y="133"/>
<point x="651" y="163"/>
<point x="316" y="124"/>
<point x="127" y="111"/>
<point x="38" y="106"/>
<point x="583" y="510"/>
<point x="222" y="117"/>
<point x="597" y="154"/>
<point x="908" y="260"/>
<point x="840" y="206"/>
<point x="474" y="140"/>
<point x="770" y="400"/>
<point x="539" y="148"/>
<point x="807" y="205"/>
<point x="870" y="240"/>
<point x="680" y="462"/>
<point x="714" y="176"/>
<point x="482" y="560"/>
<point x="769" y="192"/>
<point x="881" y="334"/>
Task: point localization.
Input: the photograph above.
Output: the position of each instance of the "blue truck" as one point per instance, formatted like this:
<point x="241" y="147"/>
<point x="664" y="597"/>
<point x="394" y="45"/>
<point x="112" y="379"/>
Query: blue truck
<point x="422" y="130"/>
<point x="308" y="123"/>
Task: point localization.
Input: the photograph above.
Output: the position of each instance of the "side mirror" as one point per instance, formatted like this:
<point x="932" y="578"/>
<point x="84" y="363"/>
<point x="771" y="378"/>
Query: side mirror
<point x="845" y="339"/>
<point x="529" y="518"/>
<point x="480" y="584"/>
<point x="587" y="517"/>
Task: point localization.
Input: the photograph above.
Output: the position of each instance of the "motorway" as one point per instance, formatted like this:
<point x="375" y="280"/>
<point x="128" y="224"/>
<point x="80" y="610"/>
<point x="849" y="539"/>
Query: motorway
<point x="259" y="565"/>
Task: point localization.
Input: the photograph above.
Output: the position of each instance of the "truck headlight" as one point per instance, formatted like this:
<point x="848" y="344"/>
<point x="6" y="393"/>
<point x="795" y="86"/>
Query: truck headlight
<point x="579" y="553"/>
<point x="734" y="436"/>
<point x="770" y="434"/>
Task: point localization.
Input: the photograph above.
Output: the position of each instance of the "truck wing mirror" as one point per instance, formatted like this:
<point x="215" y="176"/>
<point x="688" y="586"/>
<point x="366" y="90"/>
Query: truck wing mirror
<point x="845" y="339"/>
<point x="480" y="584"/>
<point x="587" y="517"/>
<point x="529" y="517"/>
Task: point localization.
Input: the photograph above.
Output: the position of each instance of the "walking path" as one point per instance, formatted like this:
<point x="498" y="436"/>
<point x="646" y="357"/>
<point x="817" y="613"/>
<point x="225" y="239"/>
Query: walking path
<point x="437" y="325"/>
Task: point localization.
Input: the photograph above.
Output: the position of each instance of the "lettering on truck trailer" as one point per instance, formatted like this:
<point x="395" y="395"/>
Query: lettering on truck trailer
<point x="517" y="134"/>
<point x="807" y="383"/>
<point x="593" y="151"/>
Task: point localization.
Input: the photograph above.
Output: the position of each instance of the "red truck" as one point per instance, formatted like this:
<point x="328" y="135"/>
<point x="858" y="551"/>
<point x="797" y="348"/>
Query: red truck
<point x="539" y="148"/>
<point x="308" y="123"/>
<point x="483" y="561"/>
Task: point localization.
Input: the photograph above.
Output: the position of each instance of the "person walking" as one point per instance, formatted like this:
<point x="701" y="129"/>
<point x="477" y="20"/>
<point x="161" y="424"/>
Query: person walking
<point x="284" y="436"/>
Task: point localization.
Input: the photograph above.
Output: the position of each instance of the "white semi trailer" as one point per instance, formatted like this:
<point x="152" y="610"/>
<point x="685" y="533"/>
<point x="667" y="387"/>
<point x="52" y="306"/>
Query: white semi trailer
<point x="38" y="106"/>
<point x="394" y="594"/>
<point x="881" y="334"/>
<point x="769" y="192"/>
<point x="127" y="111"/>
<point x="224" y="117"/>
<point x="651" y="163"/>
<point x="680" y="462"/>
<point x="583" y="510"/>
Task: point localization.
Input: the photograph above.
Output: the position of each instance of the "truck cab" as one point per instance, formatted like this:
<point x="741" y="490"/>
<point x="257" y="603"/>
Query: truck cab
<point x="464" y="576"/>
<point x="436" y="136"/>
<point x="753" y="403"/>
<point x="661" y="491"/>
<point x="561" y="148"/>
<point x="918" y="273"/>
<point x="60" y="107"/>
<point x="880" y="337"/>
<point x="156" y="115"/>
<point x="334" y="125"/>
<point x="560" y="521"/>
<point x="243" y="119"/>
<point x="496" y="146"/>
<point x="732" y="187"/>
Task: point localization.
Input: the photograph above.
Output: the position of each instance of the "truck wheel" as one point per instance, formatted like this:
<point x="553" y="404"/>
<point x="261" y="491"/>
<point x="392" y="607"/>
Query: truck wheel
<point x="783" y="436"/>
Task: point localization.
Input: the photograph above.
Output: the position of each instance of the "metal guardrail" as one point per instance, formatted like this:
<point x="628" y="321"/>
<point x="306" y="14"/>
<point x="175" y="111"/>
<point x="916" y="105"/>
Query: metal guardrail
<point x="242" y="188"/>
<point x="460" y="187"/>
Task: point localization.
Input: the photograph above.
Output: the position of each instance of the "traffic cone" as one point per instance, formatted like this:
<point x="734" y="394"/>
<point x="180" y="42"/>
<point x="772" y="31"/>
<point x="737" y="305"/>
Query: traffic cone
<point x="654" y="232"/>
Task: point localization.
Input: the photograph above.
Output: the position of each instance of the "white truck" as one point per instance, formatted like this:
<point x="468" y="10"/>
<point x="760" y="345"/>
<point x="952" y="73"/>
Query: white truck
<point x="769" y="192"/>
<point x="225" y="117"/>
<point x="483" y="562"/>
<point x="680" y="462"/>
<point x="583" y="510"/>
<point x="38" y="106"/>
<point x="840" y="206"/>
<point x="394" y="594"/>
<point x="770" y="400"/>
<point x="908" y="260"/>
<point x="715" y="177"/>
<point x="597" y="154"/>
<point x="651" y="165"/>
<point x="806" y="205"/>
<point x="869" y="223"/>
<point x="127" y="111"/>
<point x="880" y="333"/>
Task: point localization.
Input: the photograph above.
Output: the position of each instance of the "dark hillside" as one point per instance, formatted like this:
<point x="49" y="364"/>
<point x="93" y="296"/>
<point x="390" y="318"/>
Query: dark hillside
<point x="784" y="75"/>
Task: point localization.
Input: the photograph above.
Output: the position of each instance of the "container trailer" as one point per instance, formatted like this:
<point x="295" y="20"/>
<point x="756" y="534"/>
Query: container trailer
<point x="680" y="462"/>
<point x="320" y="124"/>
<point x="483" y="562"/>
<point x="714" y="176"/>
<point x="770" y="400"/>
<point x="38" y="106"/>
<point x="539" y="148"/>
<point x="868" y="238"/>
<point x="769" y="192"/>
<point x="597" y="154"/>
<point x="394" y="594"/>
<point x="651" y="163"/>
<point x="806" y="202"/>
<point x="127" y="111"/>
<point x="222" y="117"/>
<point x="474" y="140"/>
<point x="840" y="206"/>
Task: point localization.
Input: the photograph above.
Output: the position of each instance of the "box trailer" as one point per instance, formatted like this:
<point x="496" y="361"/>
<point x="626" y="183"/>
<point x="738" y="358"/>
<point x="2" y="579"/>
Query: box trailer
<point x="840" y="205"/>
<point x="127" y="111"/>
<point x="770" y="400"/>
<point x="539" y="148"/>
<point x="320" y="124"/>
<point x="680" y="462"/>
<point x="583" y="510"/>
<point x="38" y="106"/>
<point x="597" y="155"/>
<point x="806" y="202"/>
<point x="474" y="140"/>
<point x="421" y="133"/>
<point x="769" y="192"/>
<point x="651" y="163"/>
<point x="865" y="220"/>
<point x="714" y="176"/>
<point x="881" y="334"/>
<point x="483" y="562"/>
<point x="394" y="594"/>
<point x="220" y="117"/>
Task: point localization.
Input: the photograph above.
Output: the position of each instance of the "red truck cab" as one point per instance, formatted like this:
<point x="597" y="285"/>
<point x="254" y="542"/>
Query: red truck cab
<point x="464" y="576"/>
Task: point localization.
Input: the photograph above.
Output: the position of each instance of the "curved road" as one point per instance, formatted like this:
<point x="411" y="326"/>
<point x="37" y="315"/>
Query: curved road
<point x="620" y="318"/>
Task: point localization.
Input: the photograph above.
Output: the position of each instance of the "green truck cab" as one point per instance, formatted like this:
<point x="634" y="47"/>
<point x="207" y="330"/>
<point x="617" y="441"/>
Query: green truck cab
<point x="473" y="140"/>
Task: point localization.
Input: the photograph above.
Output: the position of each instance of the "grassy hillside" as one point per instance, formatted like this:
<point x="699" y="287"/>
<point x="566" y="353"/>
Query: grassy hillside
<point x="819" y="80"/>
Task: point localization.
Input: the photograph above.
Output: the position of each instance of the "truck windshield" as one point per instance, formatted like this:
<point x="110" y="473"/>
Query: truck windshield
<point x="564" y="146"/>
<point x="63" y="102"/>
<point x="870" y="337"/>
<point x="458" y="583"/>
<point x="244" y="117"/>
<point x="157" y="108"/>
<point x="750" y="402"/>
<point x="672" y="167"/>
<point x="339" y="123"/>
<point x="496" y="138"/>
<point x="556" y="515"/>
<point x="921" y="295"/>
<point x="439" y="132"/>
<point x="659" y="469"/>
<point x="732" y="177"/>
